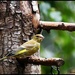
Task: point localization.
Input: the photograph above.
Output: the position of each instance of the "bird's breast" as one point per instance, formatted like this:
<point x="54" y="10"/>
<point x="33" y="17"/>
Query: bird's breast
<point x="33" y="50"/>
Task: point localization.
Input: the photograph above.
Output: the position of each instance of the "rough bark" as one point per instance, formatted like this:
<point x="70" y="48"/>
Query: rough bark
<point x="46" y="25"/>
<point x="44" y="61"/>
<point x="17" y="25"/>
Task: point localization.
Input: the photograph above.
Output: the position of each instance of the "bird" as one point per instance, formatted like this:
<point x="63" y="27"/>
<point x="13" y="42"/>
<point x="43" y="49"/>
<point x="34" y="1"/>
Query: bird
<point x="26" y="49"/>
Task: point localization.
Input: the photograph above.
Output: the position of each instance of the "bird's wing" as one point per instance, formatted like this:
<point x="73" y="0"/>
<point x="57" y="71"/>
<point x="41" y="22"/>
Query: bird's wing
<point x="29" y="45"/>
<point x="26" y="46"/>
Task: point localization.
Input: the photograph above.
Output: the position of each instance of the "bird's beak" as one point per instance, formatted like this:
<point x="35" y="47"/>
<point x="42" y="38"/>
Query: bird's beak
<point x="43" y="37"/>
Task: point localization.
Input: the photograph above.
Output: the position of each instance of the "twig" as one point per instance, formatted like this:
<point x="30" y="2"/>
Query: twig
<point x="43" y="61"/>
<point x="57" y="25"/>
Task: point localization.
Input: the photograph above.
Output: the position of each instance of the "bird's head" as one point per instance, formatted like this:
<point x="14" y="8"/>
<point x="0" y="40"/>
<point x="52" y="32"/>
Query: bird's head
<point x="38" y="37"/>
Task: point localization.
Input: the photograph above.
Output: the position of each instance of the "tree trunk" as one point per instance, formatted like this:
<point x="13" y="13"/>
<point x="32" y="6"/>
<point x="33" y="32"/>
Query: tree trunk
<point x="18" y="23"/>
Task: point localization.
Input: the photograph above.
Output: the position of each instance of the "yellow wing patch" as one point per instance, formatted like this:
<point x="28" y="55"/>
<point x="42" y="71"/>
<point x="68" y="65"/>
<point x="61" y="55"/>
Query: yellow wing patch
<point x="20" y="52"/>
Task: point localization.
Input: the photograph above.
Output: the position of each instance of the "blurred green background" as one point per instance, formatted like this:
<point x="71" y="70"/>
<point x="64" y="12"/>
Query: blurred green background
<point x="58" y="43"/>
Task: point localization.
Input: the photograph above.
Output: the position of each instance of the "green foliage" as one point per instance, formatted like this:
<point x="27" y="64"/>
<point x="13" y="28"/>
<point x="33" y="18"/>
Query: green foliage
<point x="58" y="43"/>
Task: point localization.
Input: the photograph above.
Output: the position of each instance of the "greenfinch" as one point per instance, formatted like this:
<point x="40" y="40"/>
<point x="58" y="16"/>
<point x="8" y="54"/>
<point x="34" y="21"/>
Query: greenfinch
<point x="26" y="49"/>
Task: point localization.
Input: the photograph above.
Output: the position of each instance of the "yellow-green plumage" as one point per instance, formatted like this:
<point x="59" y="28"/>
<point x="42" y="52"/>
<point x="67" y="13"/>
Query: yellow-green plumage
<point x="28" y="48"/>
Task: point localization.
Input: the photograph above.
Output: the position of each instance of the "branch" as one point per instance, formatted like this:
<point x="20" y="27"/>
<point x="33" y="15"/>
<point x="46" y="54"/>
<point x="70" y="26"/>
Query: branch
<point x="57" y="25"/>
<point x="43" y="61"/>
